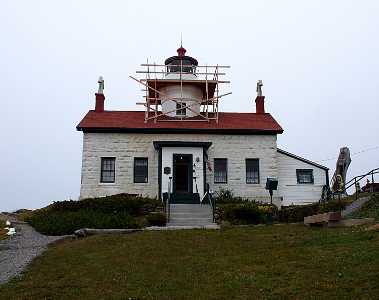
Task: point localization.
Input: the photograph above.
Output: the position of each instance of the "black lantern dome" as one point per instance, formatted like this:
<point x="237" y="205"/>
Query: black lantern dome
<point x="174" y="63"/>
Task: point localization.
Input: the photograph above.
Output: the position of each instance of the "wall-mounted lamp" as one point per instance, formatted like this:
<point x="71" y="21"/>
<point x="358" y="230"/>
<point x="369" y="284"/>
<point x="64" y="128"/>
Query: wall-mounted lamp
<point x="198" y="159"/>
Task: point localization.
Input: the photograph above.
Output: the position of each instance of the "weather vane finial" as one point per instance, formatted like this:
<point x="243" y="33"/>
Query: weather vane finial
<point x="181" y="40"/>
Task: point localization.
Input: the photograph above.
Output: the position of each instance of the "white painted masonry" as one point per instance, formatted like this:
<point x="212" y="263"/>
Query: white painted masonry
<point x="167" y="161"/>
<point x="126" y="146"/>
<point x="292" y="192"/>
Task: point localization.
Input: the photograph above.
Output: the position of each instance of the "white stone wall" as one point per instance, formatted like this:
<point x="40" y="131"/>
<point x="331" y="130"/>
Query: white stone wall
<point x="125" y="146"/>
<point x="289" y="190"/>
<point x="237" y="148"/>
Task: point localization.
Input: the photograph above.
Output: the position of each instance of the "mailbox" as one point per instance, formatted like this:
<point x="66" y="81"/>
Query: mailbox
<point x="271" y="184"/>
<point x="167" y="170"/>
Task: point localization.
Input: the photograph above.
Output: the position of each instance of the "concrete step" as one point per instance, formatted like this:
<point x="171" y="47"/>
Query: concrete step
<point x="190" y="208"/>
<point x="190" y="215"/>
<point x="356" y="205"/>
<point x="332" y="216"/>
<point x="191" y="221"/>
<point x="184" y="198"/>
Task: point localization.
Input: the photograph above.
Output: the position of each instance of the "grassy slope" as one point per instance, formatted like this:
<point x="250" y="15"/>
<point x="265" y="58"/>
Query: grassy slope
<point x="272" y="262"/>
<point x="369" y="210"/>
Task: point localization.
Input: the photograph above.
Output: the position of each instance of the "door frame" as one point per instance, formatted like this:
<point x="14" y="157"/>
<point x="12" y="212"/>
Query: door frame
<point x="190" y="172"/>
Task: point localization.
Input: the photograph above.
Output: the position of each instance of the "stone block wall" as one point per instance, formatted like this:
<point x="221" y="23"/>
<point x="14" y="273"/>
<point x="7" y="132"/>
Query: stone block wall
<point x="126" y="146"/>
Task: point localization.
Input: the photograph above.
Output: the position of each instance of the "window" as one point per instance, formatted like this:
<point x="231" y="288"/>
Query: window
<point x="181" y="111"/>
<point x="220" y="172"/>
<point x="107" y="169"/>
<point x="252" y="170"/>
<point x="304" y="176"/>
<point x="187" y="66"/>
<point x="140" y="170"/>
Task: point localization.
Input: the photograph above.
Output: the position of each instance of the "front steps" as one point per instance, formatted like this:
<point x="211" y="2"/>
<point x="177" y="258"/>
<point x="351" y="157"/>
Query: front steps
<point x="190" y="215"/>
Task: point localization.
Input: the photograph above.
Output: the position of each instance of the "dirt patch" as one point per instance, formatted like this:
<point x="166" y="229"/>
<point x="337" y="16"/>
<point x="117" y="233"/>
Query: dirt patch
<point x="373" y="227"/>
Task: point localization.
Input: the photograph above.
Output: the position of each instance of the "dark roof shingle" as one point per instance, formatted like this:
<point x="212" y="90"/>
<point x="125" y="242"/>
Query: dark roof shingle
<point x="134" y="121"/>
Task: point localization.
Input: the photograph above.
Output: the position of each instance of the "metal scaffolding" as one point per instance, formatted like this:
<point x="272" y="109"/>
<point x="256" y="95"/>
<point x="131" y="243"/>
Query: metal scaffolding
<point x="206" y="80"/>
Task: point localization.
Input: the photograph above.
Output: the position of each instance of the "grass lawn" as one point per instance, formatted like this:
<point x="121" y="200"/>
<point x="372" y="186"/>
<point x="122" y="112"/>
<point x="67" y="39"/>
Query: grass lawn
<point x="268" y="262"/>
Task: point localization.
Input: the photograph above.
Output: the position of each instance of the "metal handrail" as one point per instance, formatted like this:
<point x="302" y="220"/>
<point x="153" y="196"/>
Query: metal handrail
<point x="349" y="184"/>
<point x="197" y="190"/>
<point x="211" y="200"/>
<point x="168" y="201"/>
<point x="372" y="172"/>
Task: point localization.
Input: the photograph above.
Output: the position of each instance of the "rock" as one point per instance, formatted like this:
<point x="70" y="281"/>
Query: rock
<point x="80" y="233"/>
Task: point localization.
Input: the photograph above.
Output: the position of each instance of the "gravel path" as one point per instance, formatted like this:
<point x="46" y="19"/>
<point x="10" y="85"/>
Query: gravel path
<point x="20" y="249"/>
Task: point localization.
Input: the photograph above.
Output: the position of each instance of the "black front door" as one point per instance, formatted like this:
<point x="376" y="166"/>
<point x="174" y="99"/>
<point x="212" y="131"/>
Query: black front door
<point x="182" y="173"/>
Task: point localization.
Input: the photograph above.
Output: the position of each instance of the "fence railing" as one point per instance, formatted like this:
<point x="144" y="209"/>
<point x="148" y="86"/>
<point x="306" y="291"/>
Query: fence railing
<point x="330" y="195"/>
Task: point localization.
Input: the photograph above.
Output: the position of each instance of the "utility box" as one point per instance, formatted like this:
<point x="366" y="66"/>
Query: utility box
<point x="272" y="184"/>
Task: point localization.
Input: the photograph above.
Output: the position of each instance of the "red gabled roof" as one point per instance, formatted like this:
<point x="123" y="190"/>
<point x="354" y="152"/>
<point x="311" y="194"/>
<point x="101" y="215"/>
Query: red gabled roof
<point x="134" y="121"/>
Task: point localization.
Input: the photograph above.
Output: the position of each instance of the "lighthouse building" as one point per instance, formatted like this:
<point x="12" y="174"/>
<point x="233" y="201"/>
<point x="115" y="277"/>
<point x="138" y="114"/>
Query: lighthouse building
<point x="180" y="143"/>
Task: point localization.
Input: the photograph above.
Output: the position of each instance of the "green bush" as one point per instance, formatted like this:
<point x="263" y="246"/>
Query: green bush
<point x="60" y="223"/>
<point x="119" y="203"/>
<point x="65" y="217"/>
<point x="157" y="220"/>
<point x="246" y="213"/>
<point x="298" y="214"/>
<point x="331" y="206"/>
<point x="225" y="193"/>
<point x="226" y="196"/>
<point x="234" y="200"/>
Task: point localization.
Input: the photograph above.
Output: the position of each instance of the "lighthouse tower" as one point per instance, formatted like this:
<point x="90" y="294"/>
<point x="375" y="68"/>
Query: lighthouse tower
<point x="182" y="91"/>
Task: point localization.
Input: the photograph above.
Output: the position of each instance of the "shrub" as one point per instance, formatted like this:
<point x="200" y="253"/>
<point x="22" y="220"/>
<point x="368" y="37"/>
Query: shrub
<point x="268" y="209"/>
<point x="295" y="214"/>
<point x="331" y="206"/>
<point x="225" y="193"/>
<point x="119" y="203"/>
<point x="58" y="223"/>
<point x="298" y="214"/>
<point x="246" y="213"/>
<point x="65" y="217"/>
<point x="235" y="200"/>
<point x="157" y="219"/>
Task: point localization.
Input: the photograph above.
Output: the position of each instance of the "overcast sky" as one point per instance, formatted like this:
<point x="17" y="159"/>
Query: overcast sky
<point x="319" y="62"/>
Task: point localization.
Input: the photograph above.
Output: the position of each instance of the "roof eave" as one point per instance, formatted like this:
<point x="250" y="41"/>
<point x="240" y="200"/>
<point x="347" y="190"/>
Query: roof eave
<point x="178" y="130"/>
